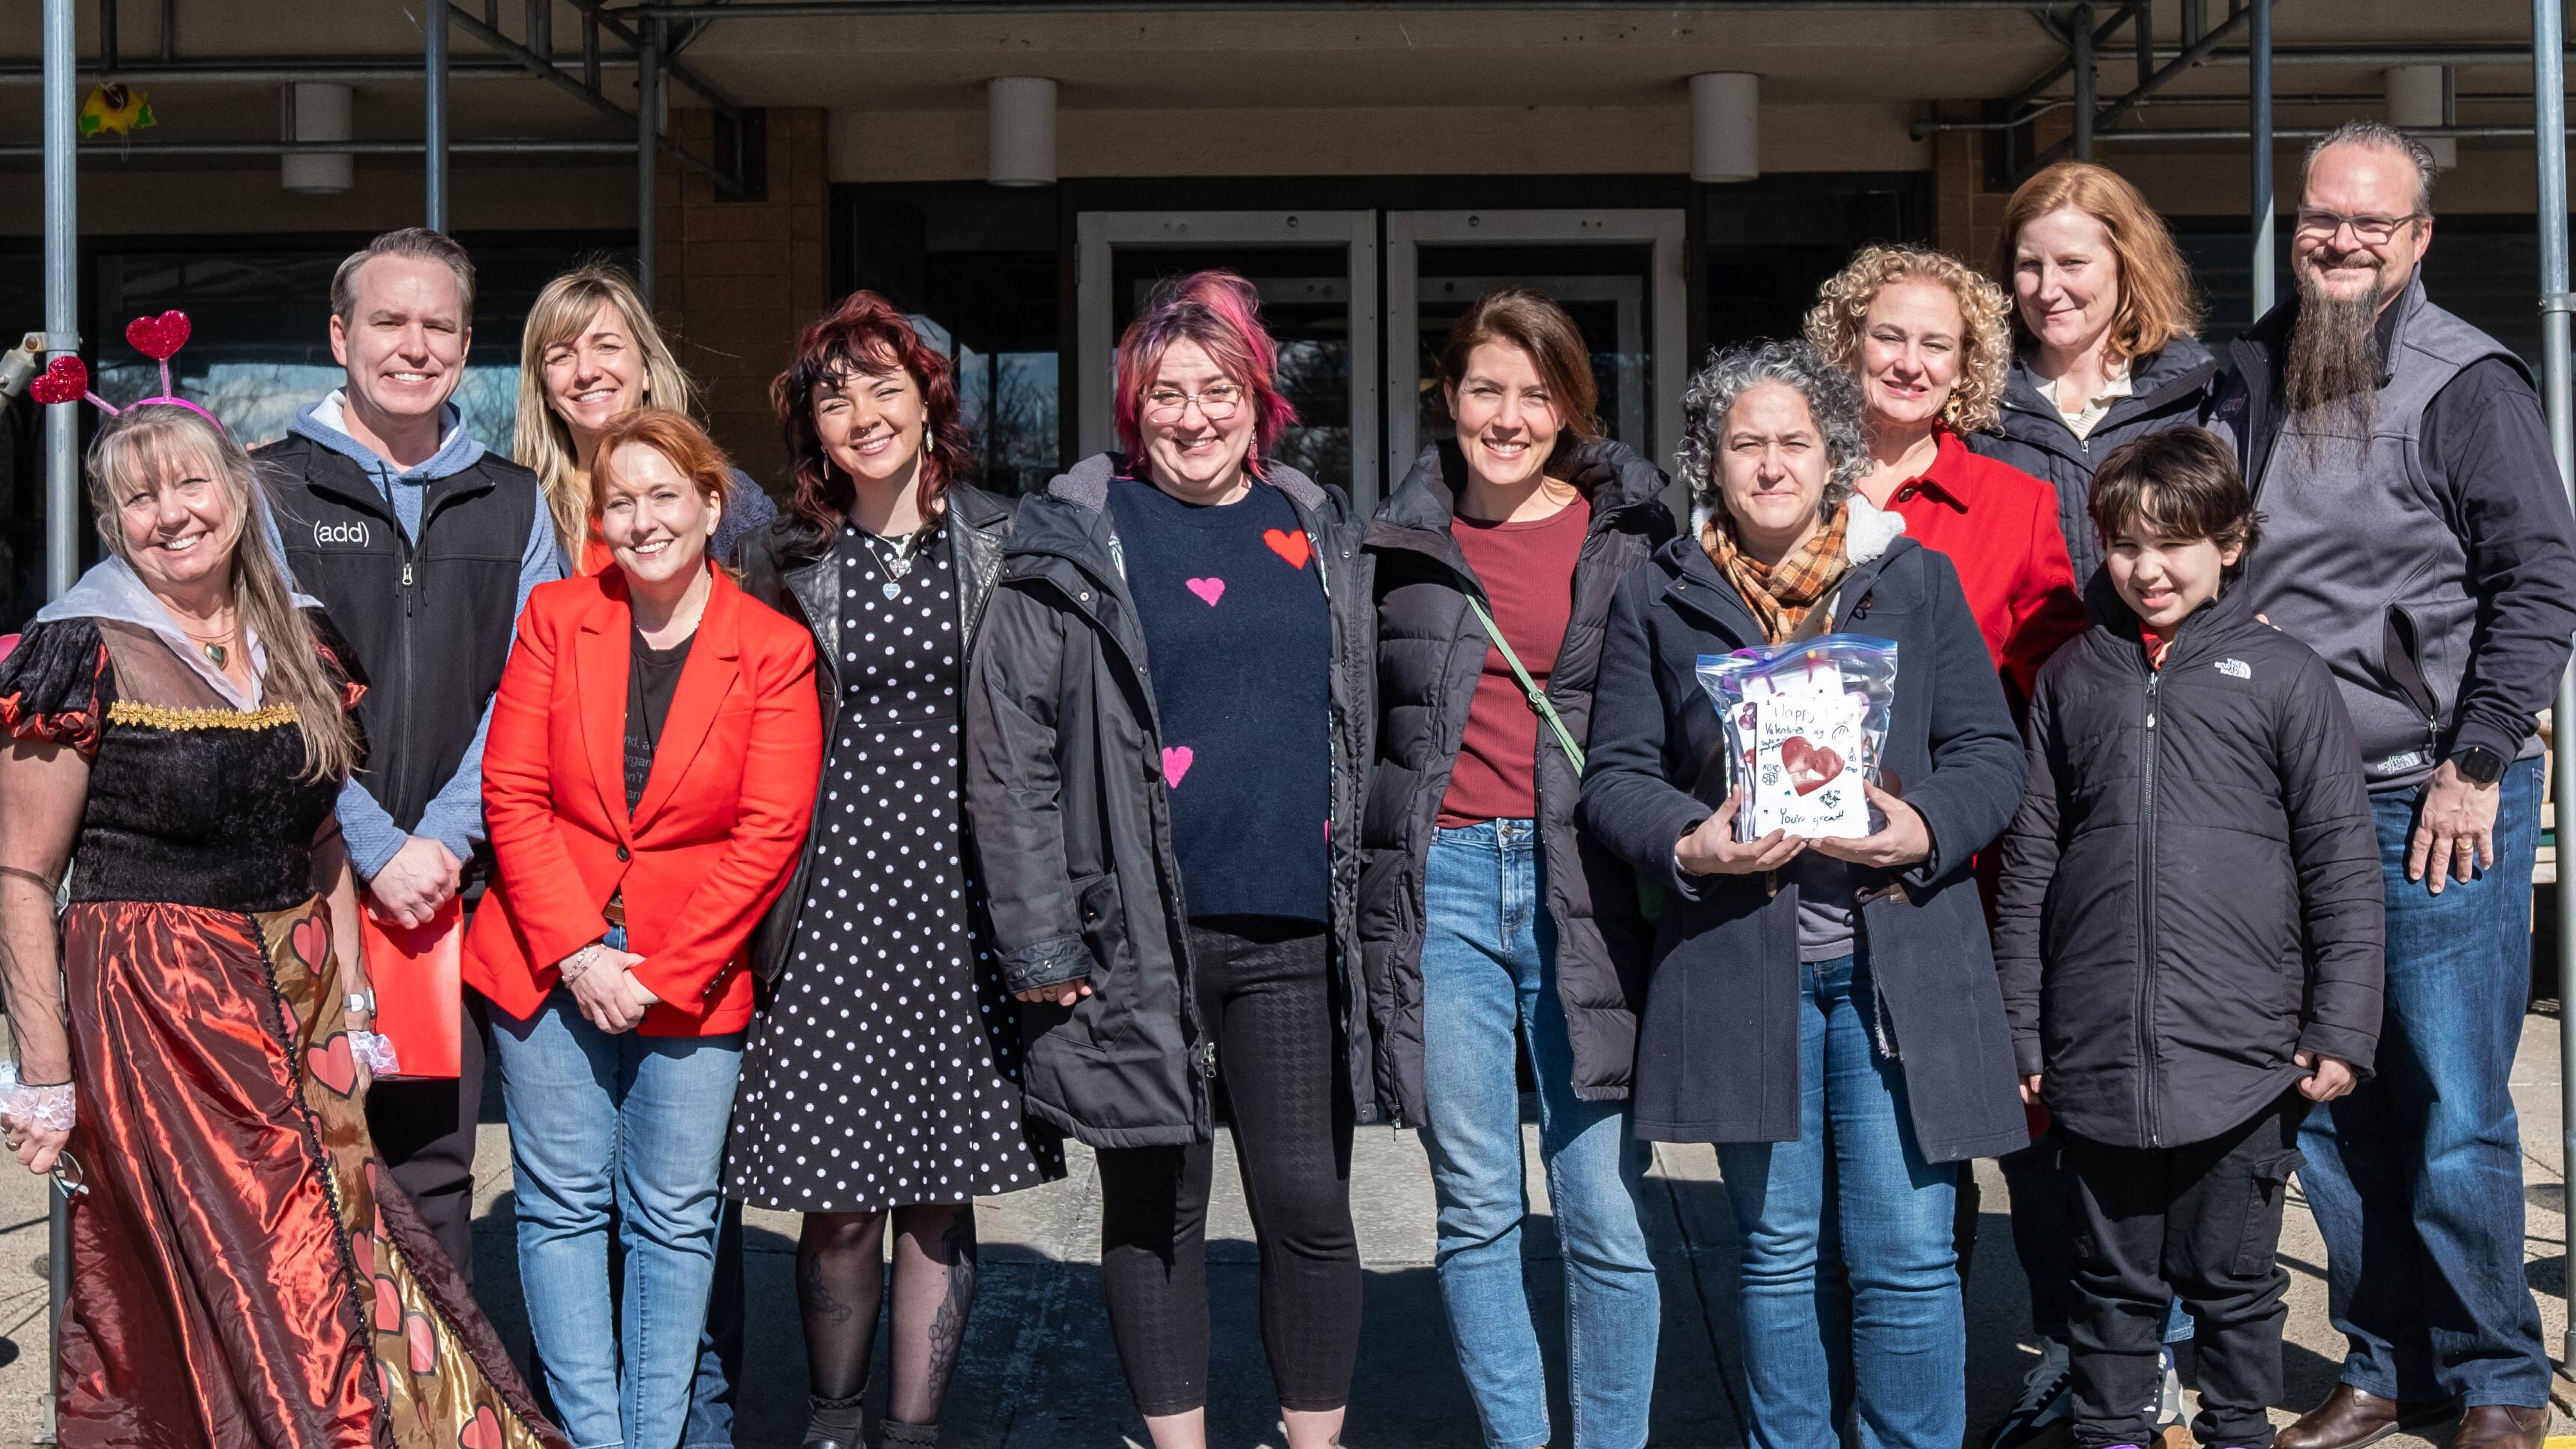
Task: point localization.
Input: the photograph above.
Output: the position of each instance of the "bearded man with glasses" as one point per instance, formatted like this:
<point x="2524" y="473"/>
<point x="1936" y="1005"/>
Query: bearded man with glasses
<point x="2416" y="535"/>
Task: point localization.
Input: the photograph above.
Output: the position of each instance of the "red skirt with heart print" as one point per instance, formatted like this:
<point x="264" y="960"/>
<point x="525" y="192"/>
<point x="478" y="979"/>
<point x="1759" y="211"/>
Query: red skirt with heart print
<point x="244" y="1271"/>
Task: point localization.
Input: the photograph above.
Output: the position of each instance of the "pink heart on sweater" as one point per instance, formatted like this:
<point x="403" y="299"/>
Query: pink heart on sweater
<point x="1177" y="760"/>
<point x="1208" y="590"/>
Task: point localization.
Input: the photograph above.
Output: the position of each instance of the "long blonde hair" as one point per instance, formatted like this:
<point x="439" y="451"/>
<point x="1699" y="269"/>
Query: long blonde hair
<point x="1985" y="348"/>
<point x="144" y="445"/>
<point x="542" y="440"/>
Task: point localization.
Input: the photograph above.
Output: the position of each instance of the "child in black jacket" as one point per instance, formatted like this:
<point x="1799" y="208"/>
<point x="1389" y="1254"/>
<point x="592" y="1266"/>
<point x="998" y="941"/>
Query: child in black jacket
<point x="2189" y="937"/>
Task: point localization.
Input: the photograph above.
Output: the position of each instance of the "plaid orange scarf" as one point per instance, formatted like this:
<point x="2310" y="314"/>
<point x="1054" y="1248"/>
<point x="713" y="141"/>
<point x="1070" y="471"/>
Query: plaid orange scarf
<point x="1780" y="595"/>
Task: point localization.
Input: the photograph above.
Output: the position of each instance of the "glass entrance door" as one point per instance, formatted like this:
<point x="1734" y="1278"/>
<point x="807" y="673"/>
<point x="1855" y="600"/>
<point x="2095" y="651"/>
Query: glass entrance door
<point x="1617" y="272"/>
<point x="1317" y="272"/>
<point x="1363" y="413"/>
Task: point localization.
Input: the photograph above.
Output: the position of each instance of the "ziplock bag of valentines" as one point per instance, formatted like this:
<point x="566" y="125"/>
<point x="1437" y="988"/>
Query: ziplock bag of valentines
<point x="1804" y="723"/>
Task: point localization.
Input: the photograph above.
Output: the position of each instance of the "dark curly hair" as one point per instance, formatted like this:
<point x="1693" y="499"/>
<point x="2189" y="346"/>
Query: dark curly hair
<point x="865" y="336"/>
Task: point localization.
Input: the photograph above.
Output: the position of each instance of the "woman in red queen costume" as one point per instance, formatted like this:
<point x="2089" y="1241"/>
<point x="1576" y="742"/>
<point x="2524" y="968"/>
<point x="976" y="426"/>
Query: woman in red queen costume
<point x="243" y="1272"/>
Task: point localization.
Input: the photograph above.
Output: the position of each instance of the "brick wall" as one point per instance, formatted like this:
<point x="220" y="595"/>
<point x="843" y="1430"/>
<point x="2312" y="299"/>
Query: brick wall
<point x="735" y="280"/>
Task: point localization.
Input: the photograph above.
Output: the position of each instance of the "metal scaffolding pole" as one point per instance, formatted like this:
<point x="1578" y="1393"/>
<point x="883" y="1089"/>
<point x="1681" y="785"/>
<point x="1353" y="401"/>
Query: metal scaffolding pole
<point x="433" y="110"/>
<point x="2549" y="121"/>
<point x="648" y="130"/>
<point x="2079" y="37"/>
<point x="62" y="479"/>
<point x="2258" y="98"/>
<point x="62" y="293"/>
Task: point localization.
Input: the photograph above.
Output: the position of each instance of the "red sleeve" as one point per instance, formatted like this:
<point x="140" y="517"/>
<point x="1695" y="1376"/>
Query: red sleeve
<point x="2047" y="609"/>
<point x="546" y="896"/>
<point x="781" y="767"/>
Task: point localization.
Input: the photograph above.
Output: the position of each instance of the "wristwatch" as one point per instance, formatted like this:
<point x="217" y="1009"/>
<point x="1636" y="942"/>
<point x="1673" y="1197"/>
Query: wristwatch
<point x="2478" y="765"/>
<point x="360" y="1003"/>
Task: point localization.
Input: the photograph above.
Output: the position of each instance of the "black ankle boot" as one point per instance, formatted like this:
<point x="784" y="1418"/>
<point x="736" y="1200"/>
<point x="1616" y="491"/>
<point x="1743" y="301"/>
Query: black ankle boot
<point x="834" y="1423"/>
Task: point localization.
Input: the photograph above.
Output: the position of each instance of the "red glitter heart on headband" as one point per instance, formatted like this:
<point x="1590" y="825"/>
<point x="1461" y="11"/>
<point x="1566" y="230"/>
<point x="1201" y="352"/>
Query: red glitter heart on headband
<point x="64" y="380"/>
<point x="158" y="337"/>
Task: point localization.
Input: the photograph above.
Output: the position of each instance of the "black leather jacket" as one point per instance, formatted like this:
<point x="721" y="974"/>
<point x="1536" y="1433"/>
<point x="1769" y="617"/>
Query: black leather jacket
<point x="788" y="566"/>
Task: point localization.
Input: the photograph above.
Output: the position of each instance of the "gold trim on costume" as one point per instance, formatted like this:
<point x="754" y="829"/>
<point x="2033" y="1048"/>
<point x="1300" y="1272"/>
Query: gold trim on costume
<point x="162" y="717"/>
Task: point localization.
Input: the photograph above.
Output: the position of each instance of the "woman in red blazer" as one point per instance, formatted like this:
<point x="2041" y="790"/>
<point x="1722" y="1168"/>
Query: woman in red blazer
<point x="649" y="776"/>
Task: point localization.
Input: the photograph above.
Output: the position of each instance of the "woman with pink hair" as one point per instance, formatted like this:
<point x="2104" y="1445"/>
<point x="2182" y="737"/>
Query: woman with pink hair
<point x="1166" y="736"/>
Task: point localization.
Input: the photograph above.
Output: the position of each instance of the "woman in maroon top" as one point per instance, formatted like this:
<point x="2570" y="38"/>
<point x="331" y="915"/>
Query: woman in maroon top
<point x="1484" y="915"/>
<point x="1928" y="340"/>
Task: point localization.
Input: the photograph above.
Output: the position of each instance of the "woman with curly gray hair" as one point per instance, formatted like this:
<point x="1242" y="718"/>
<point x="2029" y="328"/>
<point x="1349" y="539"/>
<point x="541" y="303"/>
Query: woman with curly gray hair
<point x="1824" y="1011"/>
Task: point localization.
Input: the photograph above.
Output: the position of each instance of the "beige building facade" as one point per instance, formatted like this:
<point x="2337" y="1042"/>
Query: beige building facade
<point x="1371" y="166"/>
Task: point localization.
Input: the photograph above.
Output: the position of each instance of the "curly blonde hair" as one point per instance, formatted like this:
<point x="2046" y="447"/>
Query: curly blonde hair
<point x="1842" y="305"/>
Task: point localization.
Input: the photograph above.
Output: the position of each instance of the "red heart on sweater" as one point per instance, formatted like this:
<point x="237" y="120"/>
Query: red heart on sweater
<point x="389" y="1309"/>
<point x="484" y="1432"/>
<point x="65" y="379"/>
<point x="332" y="1066"/>
<point x="158" y="337"/>
<point x="1177" y="760"/>
<point x="423" y="1340"/>
<point x="311" y="941"/>
<point x="1810" y="766"/>
<point x="1293" y="547"/>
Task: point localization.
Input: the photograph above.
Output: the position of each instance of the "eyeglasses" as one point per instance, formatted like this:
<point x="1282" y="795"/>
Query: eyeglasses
<point x="1218" y="402"/>
<point x="2371" y="230"/>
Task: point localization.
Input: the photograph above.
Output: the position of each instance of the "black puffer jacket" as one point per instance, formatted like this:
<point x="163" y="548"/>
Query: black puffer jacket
<point x="1430" y="655"/>
<point x="2170" y="388"/>
<point x="2191" y="891"/>
<point x="1064" y="789"/>
<point x="788" y="566"/>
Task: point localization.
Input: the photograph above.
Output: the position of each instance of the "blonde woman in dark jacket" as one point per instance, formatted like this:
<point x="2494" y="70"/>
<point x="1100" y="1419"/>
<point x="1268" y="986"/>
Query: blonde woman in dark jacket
<point x="1486" y="917"/>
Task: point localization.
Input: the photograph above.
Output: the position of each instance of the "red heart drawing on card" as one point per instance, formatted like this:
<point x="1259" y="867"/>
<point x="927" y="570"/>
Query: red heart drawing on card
<point x="389" y="1309"/>
<point x="311" y="940"/>
<point x="65" y="379"/>
<point x="1177" y="760"/>
<point x="484" y="1432"/>
<point x="1290" y="546"/>
<point x="1208" y="590"/>
<point x="331" y="1064"/>
<point x="158" y="337"/>
<point x="423" y="1340"/>
<point x="1810" y="766"/>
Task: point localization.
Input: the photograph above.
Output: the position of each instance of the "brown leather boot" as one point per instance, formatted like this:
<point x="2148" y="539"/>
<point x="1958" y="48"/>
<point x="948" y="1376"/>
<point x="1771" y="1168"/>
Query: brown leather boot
<point x="2501" y="1426"/>
<point x="2348" y="1419"/>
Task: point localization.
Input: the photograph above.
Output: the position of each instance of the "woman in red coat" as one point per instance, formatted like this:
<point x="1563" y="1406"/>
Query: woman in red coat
<point x="1926" y="338"/>
<point x="651" y="770"/>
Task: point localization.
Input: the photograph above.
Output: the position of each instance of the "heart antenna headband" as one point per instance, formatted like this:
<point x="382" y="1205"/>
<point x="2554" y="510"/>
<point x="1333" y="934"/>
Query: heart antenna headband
<point x="66" y="378"/>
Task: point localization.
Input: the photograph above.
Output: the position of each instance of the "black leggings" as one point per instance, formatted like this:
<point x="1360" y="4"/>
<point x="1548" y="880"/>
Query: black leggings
<point x="1264" y="995"/>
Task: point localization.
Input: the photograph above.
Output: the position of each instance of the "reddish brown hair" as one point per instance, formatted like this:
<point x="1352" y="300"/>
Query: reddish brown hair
<point x="864" y="336"/>
<point x="2157" y="303"/>
<point x="674" y="436"/>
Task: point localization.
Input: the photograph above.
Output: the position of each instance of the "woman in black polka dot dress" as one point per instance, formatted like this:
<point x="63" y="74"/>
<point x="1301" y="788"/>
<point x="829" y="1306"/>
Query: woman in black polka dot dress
<point x="882" y="1077"/>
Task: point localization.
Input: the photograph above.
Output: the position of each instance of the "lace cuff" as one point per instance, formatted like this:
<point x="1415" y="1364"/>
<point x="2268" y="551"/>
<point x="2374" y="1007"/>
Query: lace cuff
<point x="377" y="1051"/>
<point x="25" y="1105"/>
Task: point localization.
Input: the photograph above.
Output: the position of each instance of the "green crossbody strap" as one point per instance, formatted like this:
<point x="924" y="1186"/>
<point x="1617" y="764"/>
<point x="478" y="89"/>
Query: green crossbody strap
<point x="1537" y="696"/>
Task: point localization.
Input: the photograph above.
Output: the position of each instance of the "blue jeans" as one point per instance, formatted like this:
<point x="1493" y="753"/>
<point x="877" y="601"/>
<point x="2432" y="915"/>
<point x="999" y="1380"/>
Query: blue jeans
<point x="1488" y="966"/>
<point x="1904" y="1345"/>
<point x="2416" y="1177"/>
<point x="578" y="1100"/>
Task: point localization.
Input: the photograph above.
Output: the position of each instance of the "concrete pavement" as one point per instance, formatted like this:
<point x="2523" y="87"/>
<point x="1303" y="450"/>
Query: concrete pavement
<point x="1039" y="1370"/>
